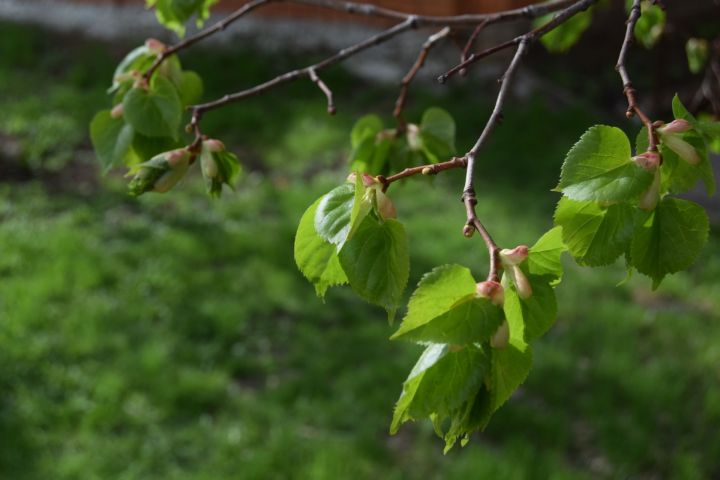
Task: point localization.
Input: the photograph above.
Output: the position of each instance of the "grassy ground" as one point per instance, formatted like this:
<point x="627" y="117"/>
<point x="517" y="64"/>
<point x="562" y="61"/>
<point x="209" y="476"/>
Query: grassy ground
<point x="171" y="337"/>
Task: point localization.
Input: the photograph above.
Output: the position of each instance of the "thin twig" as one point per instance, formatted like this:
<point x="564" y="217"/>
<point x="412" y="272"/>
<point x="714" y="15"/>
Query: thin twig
<point x="628" y="89"/>
<point x="431" y="169"/>
<point x="469" y="44"/>
<point x="325" y="89"/>
<point x="405" y="85"/>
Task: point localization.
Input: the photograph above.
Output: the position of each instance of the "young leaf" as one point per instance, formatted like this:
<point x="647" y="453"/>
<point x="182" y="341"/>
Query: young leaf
<point x="567" y="34"/>
<point x="535" y="315"/>
<point x="155" y="112"/>
<point x="669" y="239"/>
<point x="697" y="51"/>
<point x="599" y="167"/>
<point x="334" y="214"/>
<point x="111" y="138"/>
<point x="190" y="88"/>
<point x="650" y="25"/>
<point x="138" y="59"/>
<point x="366" y="128"/>
<point x="174" y="14"/>
<point x="437" y="134"/>
<point x="544" y="256"/>
<point x="595" y="235"/>
<point x="377" y="263"/>
<point x="509" y="369"/>
<point x="316" y="258"/>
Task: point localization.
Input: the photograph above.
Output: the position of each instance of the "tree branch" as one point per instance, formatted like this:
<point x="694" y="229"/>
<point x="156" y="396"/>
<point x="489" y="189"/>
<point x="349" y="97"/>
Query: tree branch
<point x="431" y="169"/>
<point x="325" y="89"/>
<point x="628" y="89"/>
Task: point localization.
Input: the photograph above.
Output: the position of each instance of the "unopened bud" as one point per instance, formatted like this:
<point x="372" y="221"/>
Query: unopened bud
<point x="676" y="126"/>
<point x="214" y="145"/>
<point x="468" y="231"/>
<point x="367" y="179"/>
<point x="386" y="207"/>
<point x="208" y="165"/>
<point x="522" y="285"/>
<point x="514" y="256"/>
<point x="684" y="150"/>
<point x="117" y="111"/>
<point x="427" y="171"/>
<point x="177" y="157"/>
<point x="648" y="160"/>
<point x="501" y="337"/>
<point x="155" y="46"/>
<point x="492" y="291"/>
<point x="650" y="198"/>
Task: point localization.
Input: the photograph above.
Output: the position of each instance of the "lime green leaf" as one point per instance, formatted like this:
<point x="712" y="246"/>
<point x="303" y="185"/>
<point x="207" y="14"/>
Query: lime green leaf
<point x="697" y="51"/>
<point x="567" y="34"/>
<point x="669" y="239"/>
<point x="377" y="263"/>
<point x="544" y="256"/>
<point x="595" y="235"/>
<point x="469" y="320"/>
<point x="509" y="369"/>
<point x="680" y="112"/>
<point x="599" y="167"/>
<point x="316" y="258"/>
<point x="437" y="135"/>
<point x="334" y="214"/>
<point x="156" y="112"/>
<point x="190" y="88"/>
<point x="650" y="25"/>
<point x="174" y="14"/>
<point x="111" y="138"/>
<point x="367" y="127"/>
<point x="441" y="381"/>
<point x="535" y="315"/>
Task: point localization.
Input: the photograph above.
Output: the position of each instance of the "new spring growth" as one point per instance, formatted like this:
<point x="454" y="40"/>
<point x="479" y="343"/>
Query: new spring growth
<point x="650" y="161"/>
<point x="373" y="188"/>
<point x="155" y="46"/>
<point x="511" y="260"/>
<point x="218" y="166"/>
<point x="117" y="111"/>
<point x="501" y="337"/>
<point x="160" y="173"/>
<point x="492" y="291"/>
<point x="671" y="137"/>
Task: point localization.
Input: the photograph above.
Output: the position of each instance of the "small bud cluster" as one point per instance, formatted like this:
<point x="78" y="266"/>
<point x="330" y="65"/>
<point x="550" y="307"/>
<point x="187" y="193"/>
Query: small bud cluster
<point x="160" y="173"/>
<point x="385" y="206"/>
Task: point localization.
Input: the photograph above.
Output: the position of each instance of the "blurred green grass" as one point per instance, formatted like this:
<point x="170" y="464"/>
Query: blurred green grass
<point x="172" y="337"/>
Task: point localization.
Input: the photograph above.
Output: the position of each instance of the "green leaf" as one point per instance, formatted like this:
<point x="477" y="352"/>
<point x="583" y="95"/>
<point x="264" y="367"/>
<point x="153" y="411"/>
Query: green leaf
<point x="316" y="258"/>
<point x="111" y="138"/>
<point x="436" y="294"/>
<point x="650" y="25"/>
<point x="367" y="127"/>
<point x="534" y="316"/>
<point x="509" y="369"/>
<point x="595" y="235"/>
<point x="376" y="262"/>
<point x="156" y="112"/>
<point x="191" y="88"/>
<point x="219" y="168"/>
<point x="174" y="14"/>
<point x="138" y="59"/>
<point x="680" y="112"/>
<point x="669" y="239"/>
<point x="544" y="256"/>
<point x="599" y="167"/>
<point x="563" y="37"/>
<point x="697" y="51"/>
<point x="148" y="147"/>
<point x="437" y="135"/>
<point x="441" y="381"/>
<point x="470" y="320"/>
<point x="334" y="214"/>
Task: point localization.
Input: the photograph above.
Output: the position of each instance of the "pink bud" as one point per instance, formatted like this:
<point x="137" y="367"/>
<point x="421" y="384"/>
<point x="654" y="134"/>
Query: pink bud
<point x="141" y="83"/>
<point x="648" y="160"/>
<point x="367" y="179"/>
<point x="117" y="111"/>
<point x="686" y="151"/>
<point x="214" y="145"/>
<point x="176" y="158"/>
<point x="491" y="290"/>
<point x="385" y="206"/>
<point x="501" y="337"/>
<point x="155" y="46"/>
<point x="515" y="256"/>
<point x="650" y="198"/>
<point x="676" y="126"/>
<point x="522" y="285"/>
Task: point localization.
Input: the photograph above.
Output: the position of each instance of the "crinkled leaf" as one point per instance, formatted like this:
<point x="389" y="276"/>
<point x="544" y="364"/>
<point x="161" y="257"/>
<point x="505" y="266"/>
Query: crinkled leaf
<point x="595" y="235"/>
<point x="111" y="138"/>
<point x="376" y="262"/>
<point x="599" y="167"/>
<point x="668" y="239"/>
<point x="544" y="256"/>
<point x="156" y="112"/>
<point x="316" y="258"/>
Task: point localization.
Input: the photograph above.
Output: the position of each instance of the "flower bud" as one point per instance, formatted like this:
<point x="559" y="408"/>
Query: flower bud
<point x="648" y="160"/>
<point x="522" y="285"/>
<point x="161" y="172"/>
<point x="117" y="111"/>
<point x="686" y="151"/>
<point x="515" y="256"/>
<point x="649" y="199"/>
<point x="676" y="126"/>
<point x="413" y="137"/>
<point x="367" y="179"/>
<point x="491" y="290"/>
<point x="214" y="145"/>
<point x="501" y="337"/>
<point x="385" y="206"/>
<point x="155" y="46"/>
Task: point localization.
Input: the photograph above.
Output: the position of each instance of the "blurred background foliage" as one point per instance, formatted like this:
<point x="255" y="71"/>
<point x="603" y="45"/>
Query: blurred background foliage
<point x="171" y="337"/>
